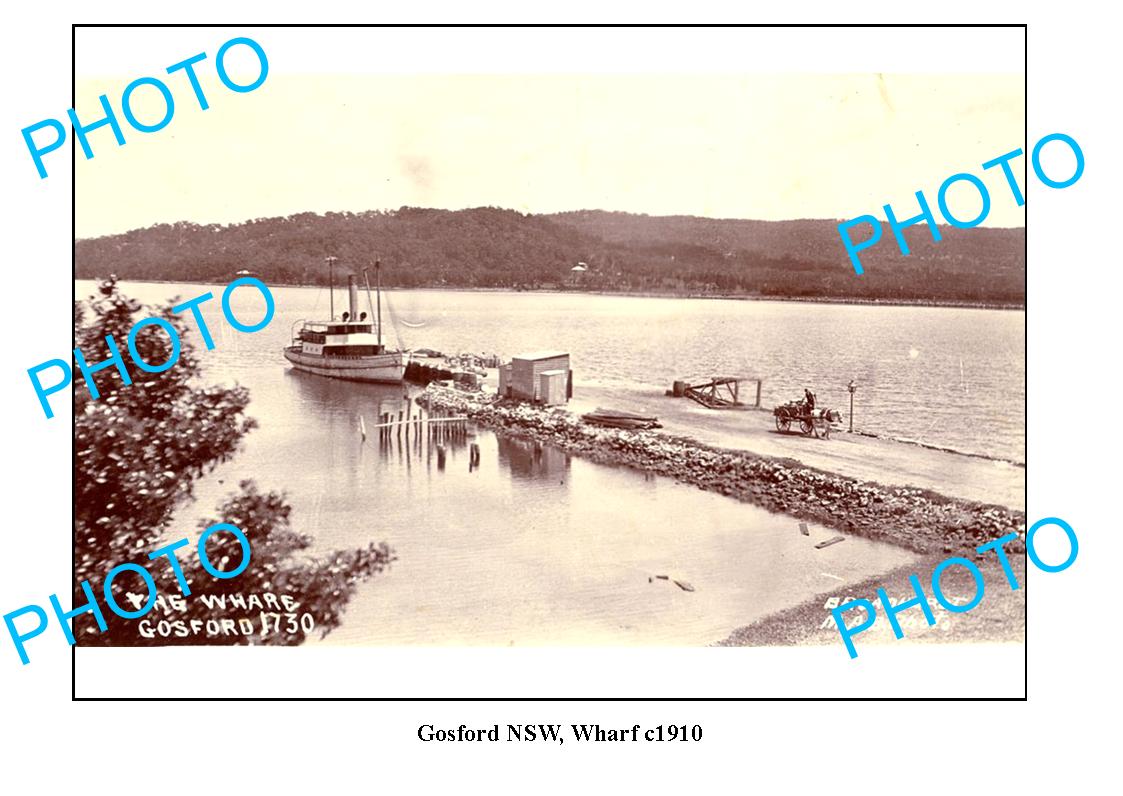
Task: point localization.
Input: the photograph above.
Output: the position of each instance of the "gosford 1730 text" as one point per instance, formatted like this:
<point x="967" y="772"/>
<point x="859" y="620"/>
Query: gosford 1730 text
<point x="19" y="637"/>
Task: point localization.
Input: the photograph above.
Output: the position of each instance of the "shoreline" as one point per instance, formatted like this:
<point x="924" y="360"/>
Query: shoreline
<point x="1000" y="617"/>
<point x="921" y="520"/>
<point x="864" y="456"/>
<point x="943" y="449"/>
<point x="973" y="305"/>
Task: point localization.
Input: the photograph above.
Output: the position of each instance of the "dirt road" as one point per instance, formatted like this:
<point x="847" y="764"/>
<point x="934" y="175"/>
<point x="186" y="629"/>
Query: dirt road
<point x="866" y="458"/>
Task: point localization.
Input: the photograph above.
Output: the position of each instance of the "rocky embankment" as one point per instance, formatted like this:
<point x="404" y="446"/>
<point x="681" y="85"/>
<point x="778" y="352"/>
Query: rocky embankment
<point x="918" y="519"/>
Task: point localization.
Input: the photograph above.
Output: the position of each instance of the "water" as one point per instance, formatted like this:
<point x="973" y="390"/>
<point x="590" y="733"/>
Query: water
<point x="949" y="377"/>
<point x="536" y="547"/>
<point x="533" y="548"/>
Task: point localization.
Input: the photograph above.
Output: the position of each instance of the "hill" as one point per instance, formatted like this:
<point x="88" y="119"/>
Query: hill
<point x="494" y="248"/>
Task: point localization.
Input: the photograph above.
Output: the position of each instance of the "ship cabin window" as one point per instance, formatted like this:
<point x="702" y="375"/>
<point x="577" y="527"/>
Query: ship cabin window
<point x="318" y="333"/>
<point x="348" y="328"/>
<point x="352" y="350"/>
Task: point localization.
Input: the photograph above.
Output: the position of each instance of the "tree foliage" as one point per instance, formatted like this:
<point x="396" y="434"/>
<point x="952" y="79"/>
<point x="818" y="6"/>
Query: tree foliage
<point x="494" y="248"/>
<point x="139" y="449"/>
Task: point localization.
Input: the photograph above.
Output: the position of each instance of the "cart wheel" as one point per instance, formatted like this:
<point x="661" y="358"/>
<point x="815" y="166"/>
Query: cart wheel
<point x="806" y="426"/>
<point x="782" y="423"/>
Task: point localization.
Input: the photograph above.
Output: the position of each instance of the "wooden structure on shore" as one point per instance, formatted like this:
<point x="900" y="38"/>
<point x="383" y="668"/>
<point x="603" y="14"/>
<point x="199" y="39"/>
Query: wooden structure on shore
<point x="544" y="377"/>
<point x="720" y="392"/>
<point x="612" y="418"/>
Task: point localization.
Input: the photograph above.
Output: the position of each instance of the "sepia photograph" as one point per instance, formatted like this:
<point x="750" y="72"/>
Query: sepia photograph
<point x="568" y="359"/>
<point x="589" y="399"/>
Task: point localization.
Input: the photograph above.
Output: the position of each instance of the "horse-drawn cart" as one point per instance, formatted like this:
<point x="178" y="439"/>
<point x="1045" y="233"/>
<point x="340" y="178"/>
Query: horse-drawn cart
<point x="811" y="421"/>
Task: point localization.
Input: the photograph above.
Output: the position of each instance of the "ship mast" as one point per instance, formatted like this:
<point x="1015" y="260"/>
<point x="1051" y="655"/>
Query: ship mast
<point x="378" y="313"/>
<point x="331" y="282"/>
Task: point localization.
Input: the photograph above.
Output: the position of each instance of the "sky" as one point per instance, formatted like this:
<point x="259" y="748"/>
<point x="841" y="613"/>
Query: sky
<point x="761" y="146"/>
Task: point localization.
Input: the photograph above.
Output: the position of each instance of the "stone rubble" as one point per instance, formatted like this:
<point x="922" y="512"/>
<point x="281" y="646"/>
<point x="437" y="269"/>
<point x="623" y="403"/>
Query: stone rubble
<point x="918" y="519"/>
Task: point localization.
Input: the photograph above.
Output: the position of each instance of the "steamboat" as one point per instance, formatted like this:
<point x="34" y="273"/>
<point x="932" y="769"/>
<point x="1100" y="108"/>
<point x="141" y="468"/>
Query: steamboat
<point x="350" y="348"/>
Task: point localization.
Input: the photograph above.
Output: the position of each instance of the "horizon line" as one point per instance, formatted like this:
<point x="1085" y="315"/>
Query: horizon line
<point x="325" y="213"/>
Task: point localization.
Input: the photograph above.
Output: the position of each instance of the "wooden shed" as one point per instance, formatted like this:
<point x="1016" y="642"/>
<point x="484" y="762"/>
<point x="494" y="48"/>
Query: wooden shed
<point x="525" y="378"/>
<point x="552" y="386"/>
<point x="504" y="380"/>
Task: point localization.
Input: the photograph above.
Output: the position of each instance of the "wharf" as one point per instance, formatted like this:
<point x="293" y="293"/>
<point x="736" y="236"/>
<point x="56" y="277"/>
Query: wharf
<point x="883" y="461"/>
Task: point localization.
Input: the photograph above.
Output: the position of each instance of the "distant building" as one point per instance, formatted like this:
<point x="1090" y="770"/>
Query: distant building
<point x="542" y="377"/>
<point x="577" y="274"/>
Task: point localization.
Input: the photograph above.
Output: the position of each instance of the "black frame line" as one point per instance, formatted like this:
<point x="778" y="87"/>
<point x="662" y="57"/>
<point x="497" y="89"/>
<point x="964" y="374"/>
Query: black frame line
<point x="74" y="696"/>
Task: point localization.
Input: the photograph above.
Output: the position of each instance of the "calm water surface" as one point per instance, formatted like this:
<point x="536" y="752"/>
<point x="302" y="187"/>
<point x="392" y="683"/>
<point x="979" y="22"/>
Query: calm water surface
<point x="948" y="377"/>
<point x="533" y="548"/>
<point x="536" y="547"/>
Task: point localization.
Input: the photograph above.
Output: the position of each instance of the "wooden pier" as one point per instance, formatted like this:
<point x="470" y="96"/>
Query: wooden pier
<point x="720" y="392"/>
<point x="415" y="432"/>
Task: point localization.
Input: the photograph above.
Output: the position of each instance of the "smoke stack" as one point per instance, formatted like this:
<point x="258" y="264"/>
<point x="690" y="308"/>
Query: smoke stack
<point x="353" y="292"/>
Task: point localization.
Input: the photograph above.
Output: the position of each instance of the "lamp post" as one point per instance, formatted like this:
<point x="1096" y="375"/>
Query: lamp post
<point x="852" y="387"/>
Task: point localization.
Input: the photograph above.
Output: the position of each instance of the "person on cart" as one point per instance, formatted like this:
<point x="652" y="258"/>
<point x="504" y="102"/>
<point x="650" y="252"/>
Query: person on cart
<point x="809" y="400"/>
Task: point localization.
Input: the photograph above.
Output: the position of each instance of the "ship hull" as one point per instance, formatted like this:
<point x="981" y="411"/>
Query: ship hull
<point x="380" y="368"/>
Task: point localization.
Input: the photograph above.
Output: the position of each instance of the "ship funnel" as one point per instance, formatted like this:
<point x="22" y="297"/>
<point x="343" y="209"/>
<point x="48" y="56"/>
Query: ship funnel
<point x="353" y="293"/>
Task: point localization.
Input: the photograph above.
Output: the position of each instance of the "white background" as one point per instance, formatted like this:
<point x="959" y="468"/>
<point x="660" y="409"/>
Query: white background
<point x="50" y="743"/>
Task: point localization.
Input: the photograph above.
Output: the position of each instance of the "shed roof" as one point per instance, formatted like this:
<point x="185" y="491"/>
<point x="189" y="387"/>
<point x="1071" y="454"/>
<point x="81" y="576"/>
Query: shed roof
<point x="539" y="355"/>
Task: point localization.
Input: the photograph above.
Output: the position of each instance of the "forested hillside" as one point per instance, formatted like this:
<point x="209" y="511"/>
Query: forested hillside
<point x="490" y="247"/>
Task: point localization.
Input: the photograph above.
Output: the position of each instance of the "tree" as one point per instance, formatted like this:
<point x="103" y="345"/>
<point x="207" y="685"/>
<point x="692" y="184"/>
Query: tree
<point x="487" y="247"/>
<point x="139" y="449"/>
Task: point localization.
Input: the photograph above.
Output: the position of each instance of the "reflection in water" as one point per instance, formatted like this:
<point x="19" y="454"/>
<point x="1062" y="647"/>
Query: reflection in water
<point x="967" y="363"/>
<point x="337" y="398"/>
<point x="529" y="459"/>
<point x="530" y="546"/>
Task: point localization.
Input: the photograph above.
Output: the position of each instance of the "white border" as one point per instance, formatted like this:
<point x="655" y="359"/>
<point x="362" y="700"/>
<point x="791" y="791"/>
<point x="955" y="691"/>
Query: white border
<point x="923" y="670"/>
